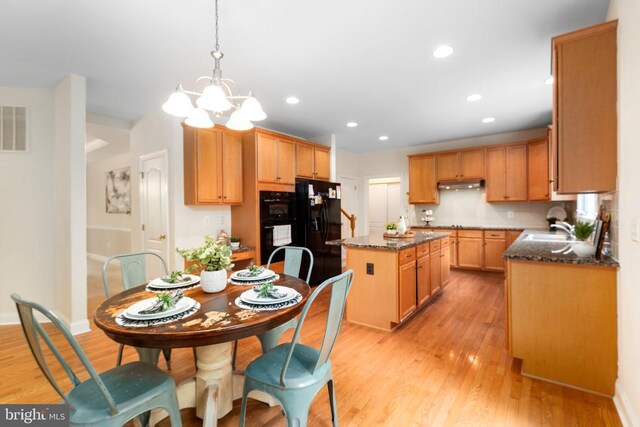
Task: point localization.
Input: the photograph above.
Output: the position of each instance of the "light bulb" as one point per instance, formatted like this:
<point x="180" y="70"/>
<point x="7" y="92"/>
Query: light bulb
<point x="252" y="110"/>
<point x="238" y="121"/>
<point x="179" y="104"/>
<point x="199" y="119"/>
<point x="213" y="99"/>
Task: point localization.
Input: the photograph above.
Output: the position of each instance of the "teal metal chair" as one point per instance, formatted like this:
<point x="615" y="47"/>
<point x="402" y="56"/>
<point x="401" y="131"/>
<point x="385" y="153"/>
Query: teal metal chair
<point x="293" y="256"/>
<point x="134" y="273"/>
<point x="108" y="399"/>
<point x="294" y="373"/>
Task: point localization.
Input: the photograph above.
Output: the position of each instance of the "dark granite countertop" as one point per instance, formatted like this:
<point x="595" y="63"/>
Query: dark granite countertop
<point x="243" y="248"/>
<point x="393" y="244"/>
<point x="478" y="227"/>
<point x="526" y="250"/>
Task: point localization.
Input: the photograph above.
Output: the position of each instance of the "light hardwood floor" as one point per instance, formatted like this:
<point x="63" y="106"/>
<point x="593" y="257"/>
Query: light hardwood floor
<point x="447" y="366"/>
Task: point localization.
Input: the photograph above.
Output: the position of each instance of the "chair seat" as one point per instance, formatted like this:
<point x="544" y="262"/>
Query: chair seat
<point x="267" y="368"/>
<point x="130" y="385"/>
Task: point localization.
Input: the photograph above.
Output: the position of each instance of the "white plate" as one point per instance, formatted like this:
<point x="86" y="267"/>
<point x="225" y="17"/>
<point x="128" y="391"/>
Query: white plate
<point x="251" y="296"/>
<point x="159" y="283"/>
<point x="133" y="312"/>
<point x="267" y="274"/>
<point x="254" y="282"/>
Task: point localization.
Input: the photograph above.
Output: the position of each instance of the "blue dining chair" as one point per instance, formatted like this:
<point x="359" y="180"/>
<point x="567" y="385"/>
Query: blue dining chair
<point x="108" y="399"/>
<point x="293" y="256"/>
<point x="133" y="273"/>
<point x="294" y="373"/>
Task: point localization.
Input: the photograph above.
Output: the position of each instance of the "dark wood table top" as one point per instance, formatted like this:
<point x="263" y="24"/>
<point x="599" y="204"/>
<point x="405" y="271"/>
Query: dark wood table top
<point x="218" y="320"/>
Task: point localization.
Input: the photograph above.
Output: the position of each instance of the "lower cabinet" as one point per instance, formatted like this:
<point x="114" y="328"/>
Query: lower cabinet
<point x="436" y="273"/>
<point x="494" y="246"/>
<point x="470" y="249"/>
<point x="407" y="288"/>
<point x="445" y="266"/>
<point x="423" y="280"/>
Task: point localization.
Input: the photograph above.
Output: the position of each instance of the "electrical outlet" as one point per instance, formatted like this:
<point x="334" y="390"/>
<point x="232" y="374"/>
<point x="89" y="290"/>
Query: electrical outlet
<point x="370" y="268"/>
<point x="510" y="214"/>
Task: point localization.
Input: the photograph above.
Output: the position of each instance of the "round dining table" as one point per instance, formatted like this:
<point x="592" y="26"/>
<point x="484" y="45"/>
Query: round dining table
<point x="210" y="331"/>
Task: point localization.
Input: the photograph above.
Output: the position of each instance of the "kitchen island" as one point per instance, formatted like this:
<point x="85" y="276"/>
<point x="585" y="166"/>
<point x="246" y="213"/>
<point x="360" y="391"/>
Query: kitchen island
<point x="561" y="314"/>
<point x="394" y="277"/>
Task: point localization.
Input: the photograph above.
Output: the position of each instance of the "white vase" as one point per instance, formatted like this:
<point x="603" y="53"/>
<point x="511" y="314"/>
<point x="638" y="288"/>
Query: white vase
<point x="235" y="245"/>
<point x="213" y="281"/>
<point x="402" y="226"/>
<point x="583" y="249"/>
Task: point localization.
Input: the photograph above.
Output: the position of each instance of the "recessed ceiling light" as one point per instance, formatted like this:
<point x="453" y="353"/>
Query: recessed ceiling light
<point x="443" y="51"/>
<point x="383" y="138"/>
<point x="474" y="97"/>
<point x="292" y="100"/>
<point x="352" y="124"/>
<point x="549" y="81"/>
<point x="488" y="120"/>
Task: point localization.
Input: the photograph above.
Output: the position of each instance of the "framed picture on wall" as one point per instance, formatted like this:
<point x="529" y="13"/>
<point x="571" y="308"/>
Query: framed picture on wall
<point x="118" y="191"/>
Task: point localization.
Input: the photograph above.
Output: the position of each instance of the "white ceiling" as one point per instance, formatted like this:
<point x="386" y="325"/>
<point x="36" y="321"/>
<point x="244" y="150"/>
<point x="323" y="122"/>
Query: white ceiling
<point x="368" y="61"/>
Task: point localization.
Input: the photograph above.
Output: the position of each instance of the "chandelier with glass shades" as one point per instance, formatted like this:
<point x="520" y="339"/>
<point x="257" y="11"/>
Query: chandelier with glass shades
<point x="217" y="98"/>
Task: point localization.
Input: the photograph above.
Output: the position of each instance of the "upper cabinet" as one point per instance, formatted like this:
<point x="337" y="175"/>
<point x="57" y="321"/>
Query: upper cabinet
<point x="423" y="186"/>
<point x="538" y="172"/>
<point x="584" y="110"/>
<point x="506" y="173"/>
<point x="312" y="161"/>
<point x="276" y="159"/>
<point x="461" y="165"/>
<point x="212" y="166"/>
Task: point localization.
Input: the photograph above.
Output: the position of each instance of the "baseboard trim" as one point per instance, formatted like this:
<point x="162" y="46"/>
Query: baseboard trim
<point x="97" y="257"/>
<point x="625" y="410"/>
<point x="79" y="327"/>
<point x="7" y="319"/>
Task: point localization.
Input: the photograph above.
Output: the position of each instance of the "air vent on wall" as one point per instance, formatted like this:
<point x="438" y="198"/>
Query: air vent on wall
<point x="13" y="128"/>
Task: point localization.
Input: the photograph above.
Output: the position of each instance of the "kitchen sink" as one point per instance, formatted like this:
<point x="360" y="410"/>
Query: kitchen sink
<point x="533" y="237"/>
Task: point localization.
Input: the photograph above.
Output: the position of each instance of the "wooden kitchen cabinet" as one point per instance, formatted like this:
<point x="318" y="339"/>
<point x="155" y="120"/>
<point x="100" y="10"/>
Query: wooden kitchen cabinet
<point x="470" y="249"/>
<point x="423" y="279"/>
<point x="461" y="165"/>
<point x="312" y="161"/>
<point x="538" y="170"/>
<point x="512" y="236"/>
<point x="436" y="272"/>
<point x="407" y="288"/>
<point x="445" y="266"/>
<point x="495" y="244"/>
<point x="506" y="173"/>
<point x="213" y="168"/>
<point x="585" y="110"/>
<point x="276" y="159"/>
<point x="423" y="186"/>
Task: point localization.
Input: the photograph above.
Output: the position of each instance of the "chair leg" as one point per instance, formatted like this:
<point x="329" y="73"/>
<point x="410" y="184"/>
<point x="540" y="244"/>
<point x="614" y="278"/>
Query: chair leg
<point x="120" y="350"/>
<point x="243" y="407"/>
<point x="174" y="411"/>
<point x="333" y="403"/>
<point x="234" y="355"/>
<point x="167" y="357"/>
<point x="297" y="413"/>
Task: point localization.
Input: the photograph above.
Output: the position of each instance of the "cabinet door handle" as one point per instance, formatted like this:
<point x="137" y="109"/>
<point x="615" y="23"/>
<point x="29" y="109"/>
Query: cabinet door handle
<point x="224" y="197"/>
<point x="219" y="197"/>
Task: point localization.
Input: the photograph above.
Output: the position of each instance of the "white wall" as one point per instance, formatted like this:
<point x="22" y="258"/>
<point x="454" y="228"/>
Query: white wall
<point x="27" y="215"/>
<point x="158" y="131"/>
<point x="107" y="233"/>
<point x="627" y="397"/>
<point x="394" y="162"/>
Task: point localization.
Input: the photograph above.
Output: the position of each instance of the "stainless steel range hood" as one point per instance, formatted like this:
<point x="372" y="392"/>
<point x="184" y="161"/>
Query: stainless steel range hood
<point x="461" y="185"/>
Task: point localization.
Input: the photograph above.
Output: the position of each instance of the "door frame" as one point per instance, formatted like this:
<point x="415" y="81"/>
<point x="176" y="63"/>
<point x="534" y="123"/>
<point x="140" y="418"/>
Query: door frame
<point x="164" y="158"/>
<point x="365" y="181"/>
<point x="355" y="178"/>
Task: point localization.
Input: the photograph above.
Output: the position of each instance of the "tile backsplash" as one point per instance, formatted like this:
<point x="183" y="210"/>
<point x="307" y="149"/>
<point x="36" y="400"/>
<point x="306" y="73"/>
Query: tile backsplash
<point x="469" y="207"/>
<point x="610" y="202"/>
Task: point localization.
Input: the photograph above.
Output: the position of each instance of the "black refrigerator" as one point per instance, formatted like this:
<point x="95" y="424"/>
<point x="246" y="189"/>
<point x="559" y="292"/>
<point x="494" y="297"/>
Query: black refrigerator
<point x="317" y="221"/>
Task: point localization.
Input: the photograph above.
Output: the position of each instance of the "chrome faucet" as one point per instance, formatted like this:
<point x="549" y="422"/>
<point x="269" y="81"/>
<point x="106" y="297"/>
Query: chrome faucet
<point x="564" y="226"/>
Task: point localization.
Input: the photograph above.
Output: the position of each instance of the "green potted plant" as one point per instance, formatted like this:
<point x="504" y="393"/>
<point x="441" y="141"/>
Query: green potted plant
<point x="582" y="231"/>
<point x="235" y="243"/>
<point x="215" y="259"/>
<point x="392" y="228"/>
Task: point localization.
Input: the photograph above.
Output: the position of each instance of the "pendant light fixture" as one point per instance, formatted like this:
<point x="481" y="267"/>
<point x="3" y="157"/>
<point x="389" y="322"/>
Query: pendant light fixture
<point x="217" y="98"/>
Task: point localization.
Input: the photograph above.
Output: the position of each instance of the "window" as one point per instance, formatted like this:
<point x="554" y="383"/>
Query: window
<point x="13" y="128"/>
<point x="587" y="206"/>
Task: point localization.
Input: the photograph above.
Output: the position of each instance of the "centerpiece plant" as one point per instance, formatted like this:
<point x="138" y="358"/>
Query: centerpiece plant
<point x="582" y="231"/>
<point x="215" y="258"/>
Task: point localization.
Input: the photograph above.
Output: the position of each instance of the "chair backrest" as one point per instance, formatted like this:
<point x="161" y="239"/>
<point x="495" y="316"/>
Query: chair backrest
<point x="132" y="267"/>
<point x="293" y="260"/>
<point x="339" y="291"/>
<point x="33" y="331"/>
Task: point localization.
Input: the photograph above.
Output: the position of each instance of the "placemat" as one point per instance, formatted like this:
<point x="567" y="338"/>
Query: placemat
<point x="122" y="320"/>
<point x="268" y="307"/>
<point x="253" y="282"/>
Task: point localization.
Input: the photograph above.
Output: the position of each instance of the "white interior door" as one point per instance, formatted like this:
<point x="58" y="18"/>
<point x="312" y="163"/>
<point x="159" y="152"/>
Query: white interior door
<point x="385" y="205"/>
<point x="349" y="202"/>
<point x="154" y="206"/>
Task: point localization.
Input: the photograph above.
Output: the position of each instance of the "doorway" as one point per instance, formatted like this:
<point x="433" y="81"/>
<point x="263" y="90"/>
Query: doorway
<point x="349" y="202"/>
<point x="154" y="205"/>
<point x="384" y="203"/>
